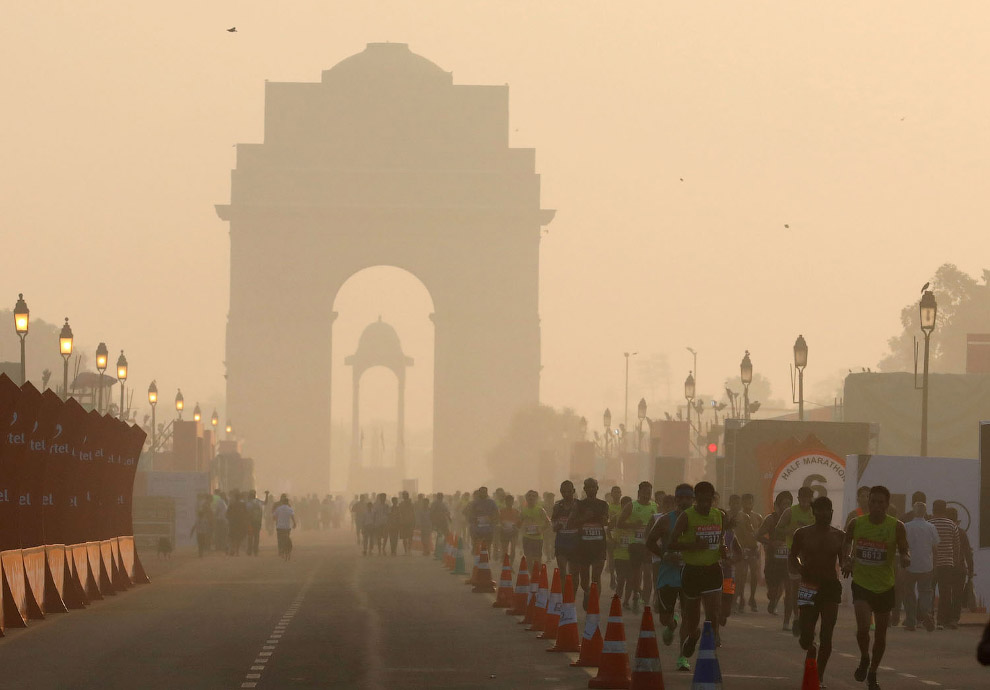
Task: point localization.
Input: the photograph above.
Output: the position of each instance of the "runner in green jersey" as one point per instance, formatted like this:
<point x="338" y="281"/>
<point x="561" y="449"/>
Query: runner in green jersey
<point x="534" y="523"/>
<point x="698" y="536"/>
<point x="869" y="549"/>
<point x="636" y="517"/>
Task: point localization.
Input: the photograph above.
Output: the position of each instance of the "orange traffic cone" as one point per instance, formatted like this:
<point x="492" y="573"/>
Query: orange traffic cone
<point x="591" y="638"/>
<point x="613" y="671"/>
<point x="554" y="603"/>
<point x="520" y="595"/>
<point x="811" y="681"/>
<point x="484" y="584"/>
<point x="503" y="599"/>
<point x="447" y="549"/>
<point x="477" y="559"/>
<point x="540" y="603"/>
<point x="646" y="673"/>
<point x="567" y="632"/>
<point x="534" y="588"/>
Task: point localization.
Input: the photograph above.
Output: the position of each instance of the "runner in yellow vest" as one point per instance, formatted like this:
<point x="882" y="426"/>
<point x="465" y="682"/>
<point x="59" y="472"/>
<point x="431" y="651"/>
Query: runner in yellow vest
<point x="636" y="517"/>
<point x="869" y="549"/>
<point x="698" y="536"/>
<point x="791" y="520"/>
<point x="534" y="523"/>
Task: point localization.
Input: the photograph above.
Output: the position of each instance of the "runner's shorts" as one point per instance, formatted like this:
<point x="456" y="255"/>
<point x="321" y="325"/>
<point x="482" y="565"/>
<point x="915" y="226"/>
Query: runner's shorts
<point x="701" y="579"/>
<point x="532" y="549"/>
<point x="880" y="602"/>
<point x="667" y="598"/>
<point x="623" y="567"/>
<point x="589" y="552"/>
<point x="829" y="592"/>
<point x="775" y="571"/>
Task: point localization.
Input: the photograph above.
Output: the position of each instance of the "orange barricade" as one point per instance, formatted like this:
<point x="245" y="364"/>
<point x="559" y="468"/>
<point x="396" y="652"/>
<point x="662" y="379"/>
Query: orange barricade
<point x="55" y="580"/>
<point x="83" y="571"/>
<point x="34" y="573"/>
<point x="131" y="562"/>
<point x="94" y="550"/>
<point x="16" y="608"/>
<point x="120" y="579"/>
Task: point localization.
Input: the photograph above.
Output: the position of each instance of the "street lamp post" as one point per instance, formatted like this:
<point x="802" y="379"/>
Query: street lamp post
<point x="153" y="401"/>
<point x="121" y="376"/>
<point x="102" y="356"/>
<point x="625" y="413"/>
<point x="22" y="318"/>
<point x="197" y="415"/>
<point x="800" y="362"/>
<point x="179" y="403"/>
<point x="229" y="429"/>
<point x="641" y="413"/>
<point x="65" y="348"/>
<point x="689" y="396"/>
<point x="746" y="376"/>
<point x="929" y="310"/>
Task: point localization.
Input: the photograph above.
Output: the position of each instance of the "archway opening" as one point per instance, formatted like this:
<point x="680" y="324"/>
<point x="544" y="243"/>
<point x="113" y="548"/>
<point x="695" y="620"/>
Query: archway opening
<point x="403" y="302"/>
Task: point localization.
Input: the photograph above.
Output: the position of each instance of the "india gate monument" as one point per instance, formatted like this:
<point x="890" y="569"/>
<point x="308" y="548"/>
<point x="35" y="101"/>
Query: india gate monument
<point x="383" y="162"/>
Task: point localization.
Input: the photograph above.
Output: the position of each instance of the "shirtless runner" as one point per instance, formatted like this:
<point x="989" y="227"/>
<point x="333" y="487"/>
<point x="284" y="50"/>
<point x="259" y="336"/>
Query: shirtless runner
<point x="815" y="552"/>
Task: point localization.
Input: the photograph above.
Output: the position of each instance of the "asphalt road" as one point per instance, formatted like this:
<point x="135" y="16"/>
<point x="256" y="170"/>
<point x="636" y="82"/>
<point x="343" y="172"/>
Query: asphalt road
<point x="332" y="618"/>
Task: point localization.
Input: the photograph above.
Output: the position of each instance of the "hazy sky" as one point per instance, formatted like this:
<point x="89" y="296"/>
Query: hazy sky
<point x="862" y="126"/>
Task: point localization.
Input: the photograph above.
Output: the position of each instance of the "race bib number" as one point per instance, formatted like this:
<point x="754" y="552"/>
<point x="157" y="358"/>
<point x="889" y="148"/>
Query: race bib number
<point x="729" y="585"/>
<point x="781" y="552"/>
<point x="484" y="521"/>
<point x="624" y="540"/>
<point x="870" y="552"/>
<point x="593" y="532"/>
<point x="640" y="533"/>
<point x="508" y="526"/>
<point x="532" y="529"/>
<point x="806" y="594"/>
<point x="711" y="535"/>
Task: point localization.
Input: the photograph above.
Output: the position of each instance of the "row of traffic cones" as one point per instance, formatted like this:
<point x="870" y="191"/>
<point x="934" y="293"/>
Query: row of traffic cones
<point x="549" y="608"/>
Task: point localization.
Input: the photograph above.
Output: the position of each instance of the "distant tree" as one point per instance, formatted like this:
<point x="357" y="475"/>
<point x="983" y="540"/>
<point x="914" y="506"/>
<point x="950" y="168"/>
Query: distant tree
<point x="963" y="307"/>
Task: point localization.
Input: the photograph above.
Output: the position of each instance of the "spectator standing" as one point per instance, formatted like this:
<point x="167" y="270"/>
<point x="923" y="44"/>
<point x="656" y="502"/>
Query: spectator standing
<point x="255" y="512"/>
<point x="219" y="521"/>
<point x="963" y="569"/>
<point x="285" y="521"/>
<point x="922" y="539"/>
<point x="946" y="557"/>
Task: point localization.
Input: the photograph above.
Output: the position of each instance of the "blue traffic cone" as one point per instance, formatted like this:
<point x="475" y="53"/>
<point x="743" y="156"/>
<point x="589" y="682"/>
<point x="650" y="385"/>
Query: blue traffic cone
<point x="459" y="562"/>
<point x="438" y="551"/>
<point x="707" y="674"/>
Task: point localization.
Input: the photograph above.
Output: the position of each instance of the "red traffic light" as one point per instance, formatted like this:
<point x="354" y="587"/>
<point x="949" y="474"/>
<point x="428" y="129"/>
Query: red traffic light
<point x="712" y="448"/>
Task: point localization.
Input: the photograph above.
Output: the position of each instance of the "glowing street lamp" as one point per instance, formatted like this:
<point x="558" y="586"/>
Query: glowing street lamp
<point x="65" y="348"/>
<point x="746" y="376"/>
<point x="229" y="428"/>
<point x="121" y="376"/>
<point x="22" y="319"/>
<point x="800" y="362"/>
<point x="153" y="401"/>
<point x="929" y="310"/>
<point x="179" y="403"/>
<point x="102" y="354"/>
<point x="214" y="420"/>
<point x="197" y="415"/>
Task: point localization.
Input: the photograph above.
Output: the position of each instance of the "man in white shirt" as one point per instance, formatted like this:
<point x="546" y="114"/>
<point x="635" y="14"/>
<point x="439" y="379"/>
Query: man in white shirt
<point x="285" y="521"/>
<point x="922" y="537"/>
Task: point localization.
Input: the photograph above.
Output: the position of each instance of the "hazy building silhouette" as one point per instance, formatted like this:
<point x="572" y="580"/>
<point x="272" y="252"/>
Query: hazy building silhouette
<point x="385" y="161"/>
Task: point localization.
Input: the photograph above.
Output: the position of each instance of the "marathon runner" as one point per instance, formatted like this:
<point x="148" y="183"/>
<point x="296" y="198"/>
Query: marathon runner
<point x="623" y="568"/>
<point x="482" y="514"/>
<point x="815" y="552"/>
<point x="869" y="556"/>
<point x="668" y="581"/>
<point x="748" y="570"/>
<point x="775" y="558"/>
<point x="565" y="543"/>
<point x="793" y="519"/>
<point x="534" y="523"/>
<point x="590" y="515"/>
<point x="614" y="499"/>
<point x="509" y="520"/>
<point x="698" y="536"/>
<point x="636" y="516"/>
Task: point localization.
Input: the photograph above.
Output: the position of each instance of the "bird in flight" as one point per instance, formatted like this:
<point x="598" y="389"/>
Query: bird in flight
<point x="787" y="226"/>
<point x="925" y="286"/>
<point x="682" y="179"/>
<point x="232" y="30"/>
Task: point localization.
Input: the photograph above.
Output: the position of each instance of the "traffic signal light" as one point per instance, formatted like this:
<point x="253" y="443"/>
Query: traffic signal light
<point x="712" y="448"/>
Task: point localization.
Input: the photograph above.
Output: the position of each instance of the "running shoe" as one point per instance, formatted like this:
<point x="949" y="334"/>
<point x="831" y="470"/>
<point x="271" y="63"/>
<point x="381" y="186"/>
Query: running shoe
<point x="752" y="605"/>
<point x="682" y="664"/>
<point x="871" y="681"/>
<point x="929" y="624"/>
<point x="860" y="673"/>
<point x="668" y="632"/>
<point x="687" y="649"/>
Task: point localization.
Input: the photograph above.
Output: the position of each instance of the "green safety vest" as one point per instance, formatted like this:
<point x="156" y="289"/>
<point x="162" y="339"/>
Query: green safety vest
<point x="873" y="553"/>
<point x="709" y="528"/>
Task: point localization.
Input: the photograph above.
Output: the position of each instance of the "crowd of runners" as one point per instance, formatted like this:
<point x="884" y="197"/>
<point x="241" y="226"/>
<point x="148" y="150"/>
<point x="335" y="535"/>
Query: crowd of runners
<point x="690" y="555"/>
